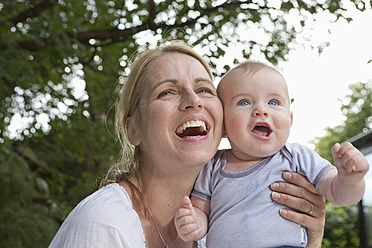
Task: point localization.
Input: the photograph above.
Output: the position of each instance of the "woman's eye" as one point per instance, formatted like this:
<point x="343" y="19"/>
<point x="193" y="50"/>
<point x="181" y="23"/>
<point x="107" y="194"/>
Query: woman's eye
<point x="243" y="102"/>
<point x="165" y="93"/>
<point x="274" y="102"/>
<point x="205" y="90"/>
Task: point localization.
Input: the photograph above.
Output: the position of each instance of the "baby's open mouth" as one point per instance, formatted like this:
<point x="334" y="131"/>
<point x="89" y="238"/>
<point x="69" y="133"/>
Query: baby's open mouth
<point x="192" y="128"/>
<point x="262" y="130"/>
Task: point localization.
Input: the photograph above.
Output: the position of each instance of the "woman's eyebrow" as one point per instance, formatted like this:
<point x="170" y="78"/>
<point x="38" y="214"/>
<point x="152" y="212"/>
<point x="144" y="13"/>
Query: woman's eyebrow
<point x="176" y="81"/>
<point x="173" y="81"/>
<point x="207" y="80"/>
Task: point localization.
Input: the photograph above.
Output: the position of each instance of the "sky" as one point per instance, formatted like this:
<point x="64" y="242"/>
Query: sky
<point x="318" y="82"/>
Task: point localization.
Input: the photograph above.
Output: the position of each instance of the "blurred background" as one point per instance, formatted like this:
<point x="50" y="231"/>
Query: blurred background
<point x="62" y="64"/>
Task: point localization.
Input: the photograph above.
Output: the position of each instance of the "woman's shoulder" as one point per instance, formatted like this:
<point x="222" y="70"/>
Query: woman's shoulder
<point x="105" y="217"/>
<point x="107" y="205"/>
<point x="110" y="196"/>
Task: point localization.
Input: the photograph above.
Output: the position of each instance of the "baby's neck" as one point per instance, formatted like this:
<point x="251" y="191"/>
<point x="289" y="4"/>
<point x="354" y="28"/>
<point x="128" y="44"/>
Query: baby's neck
<point x="240" y="162"/>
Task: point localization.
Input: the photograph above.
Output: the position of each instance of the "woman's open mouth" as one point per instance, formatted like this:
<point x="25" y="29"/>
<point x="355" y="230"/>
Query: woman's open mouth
<point x="192" y="128"/>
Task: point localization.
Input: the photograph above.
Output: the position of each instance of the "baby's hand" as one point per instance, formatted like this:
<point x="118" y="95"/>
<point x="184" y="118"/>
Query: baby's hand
<point x="350" y="162"/>
<point x="186" y="221"/>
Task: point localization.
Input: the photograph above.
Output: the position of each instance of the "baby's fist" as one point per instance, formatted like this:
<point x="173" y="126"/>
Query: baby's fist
<point x="348" y="158"/>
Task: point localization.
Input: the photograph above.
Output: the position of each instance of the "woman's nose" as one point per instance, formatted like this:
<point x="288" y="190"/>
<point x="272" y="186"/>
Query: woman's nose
<point x="190" y="100"/>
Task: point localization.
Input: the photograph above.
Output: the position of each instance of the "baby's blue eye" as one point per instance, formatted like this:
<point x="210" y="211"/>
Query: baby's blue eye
<point x="274" y="102"/>
<point x="243" y="103"/>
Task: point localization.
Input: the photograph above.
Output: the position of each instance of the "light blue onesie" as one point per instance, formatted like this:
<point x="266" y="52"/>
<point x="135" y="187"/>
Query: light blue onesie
<point x="242" y="211"/>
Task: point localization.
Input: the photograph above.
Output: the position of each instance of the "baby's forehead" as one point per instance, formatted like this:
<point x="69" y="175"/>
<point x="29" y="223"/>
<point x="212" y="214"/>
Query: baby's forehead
<point x="262" y="74"/>
<point x="265" y="79"/>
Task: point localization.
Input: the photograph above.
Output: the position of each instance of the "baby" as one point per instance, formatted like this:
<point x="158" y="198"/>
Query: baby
<point x="231" y="199"/>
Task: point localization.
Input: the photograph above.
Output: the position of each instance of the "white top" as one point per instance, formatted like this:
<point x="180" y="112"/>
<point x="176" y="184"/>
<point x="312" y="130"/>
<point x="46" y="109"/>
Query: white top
<point x="106" y="218"/>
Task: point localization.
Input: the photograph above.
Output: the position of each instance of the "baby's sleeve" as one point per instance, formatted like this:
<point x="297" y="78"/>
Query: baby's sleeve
<point x="204" y="183"/>
<point x="310" y="163"/>
<point x="202" y="187"/>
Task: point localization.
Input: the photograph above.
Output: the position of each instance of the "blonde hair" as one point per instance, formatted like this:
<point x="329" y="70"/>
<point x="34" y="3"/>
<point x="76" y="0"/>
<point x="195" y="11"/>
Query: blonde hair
<point x="128" y="106"/>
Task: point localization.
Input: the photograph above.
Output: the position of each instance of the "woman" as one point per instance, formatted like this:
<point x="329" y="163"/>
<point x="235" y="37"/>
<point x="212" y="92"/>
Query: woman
<point x="169" y="120"/>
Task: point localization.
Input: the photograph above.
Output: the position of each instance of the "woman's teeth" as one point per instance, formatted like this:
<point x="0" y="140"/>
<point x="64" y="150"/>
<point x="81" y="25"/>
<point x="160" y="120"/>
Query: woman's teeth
<point x="184" y="126"/>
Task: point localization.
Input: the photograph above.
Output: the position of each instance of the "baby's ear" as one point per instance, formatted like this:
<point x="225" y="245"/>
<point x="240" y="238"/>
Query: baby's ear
<point x="133" y="134"/>
<point x="291" y="118"/>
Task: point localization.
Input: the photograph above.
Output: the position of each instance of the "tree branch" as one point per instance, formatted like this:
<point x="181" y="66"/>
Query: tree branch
<point x="31" y="12"/>
<point x="116" y="35"/>
<point x="226" y="5"/>
<point x="152" y="12"/>
<point x="29" y="155"/>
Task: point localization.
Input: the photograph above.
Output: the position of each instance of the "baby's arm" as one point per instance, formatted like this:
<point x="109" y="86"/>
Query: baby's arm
<point x="191" y="220"/>
<point x="345" y="186"/>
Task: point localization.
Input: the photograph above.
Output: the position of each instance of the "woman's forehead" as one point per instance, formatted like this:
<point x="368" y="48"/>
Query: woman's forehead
<point x="176" y="65"/>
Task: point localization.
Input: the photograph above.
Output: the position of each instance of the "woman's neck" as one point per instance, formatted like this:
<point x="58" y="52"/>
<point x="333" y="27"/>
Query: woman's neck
<point x="162" y="196"/>
<point x="165" y="190"/>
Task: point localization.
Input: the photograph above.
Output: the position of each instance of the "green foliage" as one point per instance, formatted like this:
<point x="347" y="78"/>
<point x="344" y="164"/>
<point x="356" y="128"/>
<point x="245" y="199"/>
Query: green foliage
<point x="75" y="160"/>
<point x="340" y="227"/>
<point x="368" y="213"/>
<point x="357" y="108"/>
<point x="66" y="141"/>
<point x="341" y="222"/>
<point x="23" y="205"/>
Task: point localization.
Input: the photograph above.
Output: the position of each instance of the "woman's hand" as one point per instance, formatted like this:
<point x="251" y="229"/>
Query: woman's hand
<point x="300" y="194"/>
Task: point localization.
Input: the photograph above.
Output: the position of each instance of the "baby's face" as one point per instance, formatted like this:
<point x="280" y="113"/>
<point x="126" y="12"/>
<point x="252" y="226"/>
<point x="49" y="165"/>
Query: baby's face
<point x="256" y="112"/>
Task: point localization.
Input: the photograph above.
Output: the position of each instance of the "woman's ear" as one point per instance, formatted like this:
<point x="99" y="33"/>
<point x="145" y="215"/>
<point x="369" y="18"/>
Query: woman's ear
<point x="133" y="135"/>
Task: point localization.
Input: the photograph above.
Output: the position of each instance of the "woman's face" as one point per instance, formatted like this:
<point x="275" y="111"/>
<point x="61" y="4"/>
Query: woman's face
<point x="181" y="115"/>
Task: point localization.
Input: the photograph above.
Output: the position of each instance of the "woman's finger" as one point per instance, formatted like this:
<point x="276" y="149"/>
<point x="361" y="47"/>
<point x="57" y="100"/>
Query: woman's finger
<point x="303" y="219"/>
<point x="298" y="193"/>
<point x="295" y="191"/>
<point x="299" y="180"/>
<point x="300" y="204"/>
<point x="302" y="196"/>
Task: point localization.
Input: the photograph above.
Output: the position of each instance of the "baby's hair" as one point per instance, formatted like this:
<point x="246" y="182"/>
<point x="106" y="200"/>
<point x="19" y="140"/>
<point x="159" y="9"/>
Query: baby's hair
<point x="252" y="67"/>
<point x="249" y="67"/>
